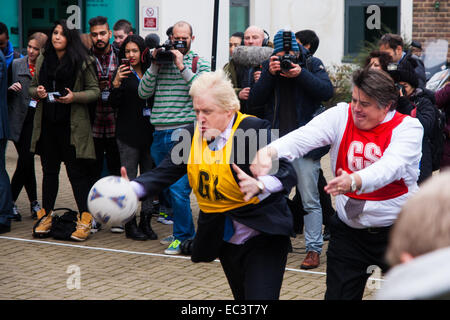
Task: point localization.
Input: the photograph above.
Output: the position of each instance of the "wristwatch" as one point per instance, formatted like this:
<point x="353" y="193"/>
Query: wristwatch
<point x="260" y="186"/>
<point x="353" y="184"/>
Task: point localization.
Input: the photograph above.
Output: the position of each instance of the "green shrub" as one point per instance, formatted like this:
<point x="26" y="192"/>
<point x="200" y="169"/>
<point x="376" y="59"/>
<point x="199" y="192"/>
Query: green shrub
<point x="341" y="78"/>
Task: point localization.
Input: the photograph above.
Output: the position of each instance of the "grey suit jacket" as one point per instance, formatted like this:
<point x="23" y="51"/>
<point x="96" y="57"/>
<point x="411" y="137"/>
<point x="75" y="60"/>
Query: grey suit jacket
<point x="18" y="102"/>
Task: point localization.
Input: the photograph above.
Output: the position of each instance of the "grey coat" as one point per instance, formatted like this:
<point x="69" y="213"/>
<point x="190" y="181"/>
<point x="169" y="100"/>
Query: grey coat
<point x="18" y="102"/>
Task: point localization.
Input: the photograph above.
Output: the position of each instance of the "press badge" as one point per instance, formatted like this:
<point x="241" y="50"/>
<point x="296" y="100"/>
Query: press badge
<point x="105" y="95"/>
<point x="33" y="103"/>
<point x="146" y="112"/>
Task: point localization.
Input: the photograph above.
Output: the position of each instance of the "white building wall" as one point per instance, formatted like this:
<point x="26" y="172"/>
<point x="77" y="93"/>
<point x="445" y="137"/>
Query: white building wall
<point x="325" y="17"/>
<point x="406" y="19"/>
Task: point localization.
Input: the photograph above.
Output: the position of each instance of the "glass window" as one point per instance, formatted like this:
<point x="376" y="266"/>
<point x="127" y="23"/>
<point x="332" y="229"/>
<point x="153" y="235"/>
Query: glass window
<point x="239" y="15"/>
<point x="40" y="16"/>
<point x="357" y="32"/>
<point x="113" y="9"/>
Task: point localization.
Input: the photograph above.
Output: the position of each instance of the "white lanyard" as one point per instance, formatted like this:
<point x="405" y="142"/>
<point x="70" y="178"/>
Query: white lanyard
<point x="99" y="66"/>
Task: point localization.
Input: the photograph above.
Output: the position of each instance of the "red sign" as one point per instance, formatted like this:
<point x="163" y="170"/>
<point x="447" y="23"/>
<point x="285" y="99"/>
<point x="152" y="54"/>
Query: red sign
<point x="149" y="22"/>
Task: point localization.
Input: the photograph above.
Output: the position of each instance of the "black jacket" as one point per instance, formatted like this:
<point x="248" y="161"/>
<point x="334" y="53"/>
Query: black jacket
<point x="270" y="216"/>
<point x="308" y="90"/>
<point x="132" y="127"/>
<point x="425" y="113"/>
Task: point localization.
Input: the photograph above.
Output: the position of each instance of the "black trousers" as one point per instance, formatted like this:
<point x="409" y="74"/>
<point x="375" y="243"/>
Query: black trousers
<point x="255" y="269"/>
<point x="351" y="253"/>
<point x="106" y="148"/>
<point x="25" y="175"/>
<point x="54" y="146"/>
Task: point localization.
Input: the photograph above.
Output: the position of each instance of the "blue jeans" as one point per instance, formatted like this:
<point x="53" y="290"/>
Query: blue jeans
<point x="178" y="194"/>
<point x="6" y="203"/>
<point x="307" y="176"/>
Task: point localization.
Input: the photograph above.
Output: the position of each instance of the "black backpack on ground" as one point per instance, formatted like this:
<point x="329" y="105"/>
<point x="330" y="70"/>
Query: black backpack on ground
<point x="64" y="225"/>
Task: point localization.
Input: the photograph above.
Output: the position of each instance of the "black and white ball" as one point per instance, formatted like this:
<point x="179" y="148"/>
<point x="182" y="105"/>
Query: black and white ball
<point x="112" y="201"/>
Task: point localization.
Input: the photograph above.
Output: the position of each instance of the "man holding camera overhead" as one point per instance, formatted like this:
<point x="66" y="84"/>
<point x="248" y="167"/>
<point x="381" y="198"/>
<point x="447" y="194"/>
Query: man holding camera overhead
<point x="174" y="67"/>
<point x="294" y="83"/>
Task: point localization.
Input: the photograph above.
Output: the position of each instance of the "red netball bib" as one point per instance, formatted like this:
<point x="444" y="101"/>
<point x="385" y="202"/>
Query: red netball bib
<point x="360" y="148"/>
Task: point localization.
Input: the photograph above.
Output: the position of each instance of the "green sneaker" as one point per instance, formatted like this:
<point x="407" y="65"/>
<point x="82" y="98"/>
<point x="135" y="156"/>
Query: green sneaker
<point x="174" y="248"/>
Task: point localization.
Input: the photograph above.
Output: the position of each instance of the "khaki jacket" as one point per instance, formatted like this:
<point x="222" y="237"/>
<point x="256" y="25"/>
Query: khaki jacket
<point x="85" y="91"/>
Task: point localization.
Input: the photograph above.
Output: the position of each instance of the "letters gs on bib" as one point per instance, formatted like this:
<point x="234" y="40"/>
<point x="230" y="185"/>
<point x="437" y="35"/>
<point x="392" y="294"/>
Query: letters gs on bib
<point x="361" y="156"/>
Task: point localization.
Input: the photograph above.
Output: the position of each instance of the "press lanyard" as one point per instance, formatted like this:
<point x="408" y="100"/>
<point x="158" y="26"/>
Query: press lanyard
<point x="33" y="102"/>
<point x="109" y="65"/>
<point x="146" y="112"/>
<point x="137" y="76"/>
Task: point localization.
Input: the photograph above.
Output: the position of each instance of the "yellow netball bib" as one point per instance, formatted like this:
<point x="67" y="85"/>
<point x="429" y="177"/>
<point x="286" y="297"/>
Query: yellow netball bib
<point x="210" y="175"/>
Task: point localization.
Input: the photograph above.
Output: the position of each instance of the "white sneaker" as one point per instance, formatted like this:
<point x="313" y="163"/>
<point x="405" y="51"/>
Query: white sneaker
<point x="117" y="229"/>
<point x="34" y="208"/>
<point x="164" y="219"/>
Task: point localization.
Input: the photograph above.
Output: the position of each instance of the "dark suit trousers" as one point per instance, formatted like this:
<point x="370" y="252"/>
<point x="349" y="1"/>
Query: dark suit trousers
<point x="351" y="257"/>
<point x="255" y="269"/>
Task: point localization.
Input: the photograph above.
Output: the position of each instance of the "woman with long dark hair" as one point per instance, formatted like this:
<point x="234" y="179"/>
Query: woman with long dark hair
<point x="134" y="133"/>
<point x="64" y="82"/>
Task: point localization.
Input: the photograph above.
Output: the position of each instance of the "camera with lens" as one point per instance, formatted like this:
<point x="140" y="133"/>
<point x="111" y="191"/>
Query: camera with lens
<point x="51" y="96"/>
<point x="186" y="246"/>
<point x="287" y="59"/>
<point x="163" y="53"/>
<point x="401" y="88"/>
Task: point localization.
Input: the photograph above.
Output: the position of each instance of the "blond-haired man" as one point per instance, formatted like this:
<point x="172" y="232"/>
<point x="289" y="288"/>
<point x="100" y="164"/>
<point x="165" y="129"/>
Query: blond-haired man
<point x="243" y="221"/>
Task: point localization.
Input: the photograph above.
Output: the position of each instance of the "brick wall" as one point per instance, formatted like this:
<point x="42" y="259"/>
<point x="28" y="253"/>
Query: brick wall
<point x="429" y="24"/>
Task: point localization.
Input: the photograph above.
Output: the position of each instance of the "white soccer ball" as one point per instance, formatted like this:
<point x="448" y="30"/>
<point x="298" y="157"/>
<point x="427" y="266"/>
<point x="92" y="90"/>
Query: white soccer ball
<point x="112" y="201"/>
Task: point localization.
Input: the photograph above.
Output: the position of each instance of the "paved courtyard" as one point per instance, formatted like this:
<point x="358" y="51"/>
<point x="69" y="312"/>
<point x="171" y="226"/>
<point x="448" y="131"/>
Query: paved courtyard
<point x="109" y="266"/>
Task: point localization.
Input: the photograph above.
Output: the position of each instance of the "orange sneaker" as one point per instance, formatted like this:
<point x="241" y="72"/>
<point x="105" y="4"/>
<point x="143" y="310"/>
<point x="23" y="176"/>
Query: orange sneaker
<point x="84" y="225"/>
<point x="43" y="225"/>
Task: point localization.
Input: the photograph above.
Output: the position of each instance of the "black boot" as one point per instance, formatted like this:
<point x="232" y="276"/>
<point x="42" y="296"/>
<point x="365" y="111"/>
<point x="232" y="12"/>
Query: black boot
<point x="132" y="231"/>
<point x="145" y="225"/>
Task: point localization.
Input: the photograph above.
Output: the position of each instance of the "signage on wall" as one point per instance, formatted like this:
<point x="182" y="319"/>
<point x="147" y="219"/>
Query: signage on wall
<point x="151" y="17"/>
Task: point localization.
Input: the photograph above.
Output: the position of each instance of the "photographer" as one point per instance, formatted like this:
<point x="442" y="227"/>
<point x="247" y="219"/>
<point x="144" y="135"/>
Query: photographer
<point x="294" y="84"/>
<point x="170" y="81"/>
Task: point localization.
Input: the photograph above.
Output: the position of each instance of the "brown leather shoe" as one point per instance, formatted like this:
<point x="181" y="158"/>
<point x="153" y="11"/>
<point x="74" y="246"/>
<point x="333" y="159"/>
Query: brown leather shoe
<point x="312" y="260"/>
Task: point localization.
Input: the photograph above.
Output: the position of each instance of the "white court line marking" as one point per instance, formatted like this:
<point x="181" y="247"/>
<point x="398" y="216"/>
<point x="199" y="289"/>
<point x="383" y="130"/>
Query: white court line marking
<point x="143" y="253"/>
